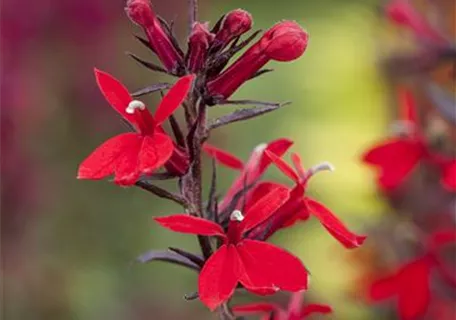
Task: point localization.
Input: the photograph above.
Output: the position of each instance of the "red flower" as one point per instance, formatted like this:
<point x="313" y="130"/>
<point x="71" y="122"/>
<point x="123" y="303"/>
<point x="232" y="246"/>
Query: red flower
<point x="397" y="157"/>
<point x="295" y="311"/>
<point x="260" y="267"/>
<point x="129" y="155"/>
<point x="286" y="41"/>
<point x="411" y="286"/>
<point x="300" y="207"/>
<point x="411" y="282"/>
<point x="252" y="170"/>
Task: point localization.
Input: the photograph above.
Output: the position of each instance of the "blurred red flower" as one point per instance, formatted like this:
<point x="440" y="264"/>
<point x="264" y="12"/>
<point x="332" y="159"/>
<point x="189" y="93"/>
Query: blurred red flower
<point x="397" y="157"/>
<point x="272" y="311"/>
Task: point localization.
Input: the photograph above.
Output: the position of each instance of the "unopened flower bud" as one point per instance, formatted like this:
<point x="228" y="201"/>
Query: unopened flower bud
<point x="141" y="13"/>
<point x="234" y="24"/>
<point x="286" y="41"/>
<point x="198" y="45"/>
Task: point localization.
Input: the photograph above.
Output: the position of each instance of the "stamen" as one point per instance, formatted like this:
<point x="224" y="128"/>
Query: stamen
<point x="324" y="166"/>
<point x="133" y="105"/>
<point x="236" y="215"/>
<point x="260" y="147"/>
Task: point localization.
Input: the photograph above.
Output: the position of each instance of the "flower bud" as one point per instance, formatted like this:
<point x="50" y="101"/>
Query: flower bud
<point x="198" y="44"/>
<point x="141" y="13"/>
<point x="234" y="24"/>
<point x="286" y="41"/>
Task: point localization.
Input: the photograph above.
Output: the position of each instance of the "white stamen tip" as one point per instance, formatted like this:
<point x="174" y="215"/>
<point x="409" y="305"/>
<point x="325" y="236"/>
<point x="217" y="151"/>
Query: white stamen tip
<point x="260" y="147"/>
<point x="324" y="166"/>
<point x="236" y="215"/>
<point x="133" y="105"/>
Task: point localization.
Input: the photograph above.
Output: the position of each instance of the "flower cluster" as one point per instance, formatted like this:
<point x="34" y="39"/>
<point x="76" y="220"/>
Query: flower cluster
<point x="232" y="232"/>
<point x="414" y="246"/>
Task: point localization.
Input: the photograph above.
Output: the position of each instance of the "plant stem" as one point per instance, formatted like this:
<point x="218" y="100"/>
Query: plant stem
<point x="192" y="14"/>
<point x="225" y="312"/>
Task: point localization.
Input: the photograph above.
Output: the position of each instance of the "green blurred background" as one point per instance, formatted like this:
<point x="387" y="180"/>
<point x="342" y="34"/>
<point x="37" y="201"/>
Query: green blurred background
<point x="67" y="245"/>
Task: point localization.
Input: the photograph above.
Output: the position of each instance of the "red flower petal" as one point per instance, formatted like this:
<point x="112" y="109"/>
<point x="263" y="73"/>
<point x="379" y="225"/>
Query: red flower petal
<point x="268" y="266"/>
<point x="284" y="167"/>
<point x="384" y="288"/>
<point x="334" y="225"/>
<point x="115" y="93"/>
<point x="315" y="308"/>
<point x="223" y="157"/>
<point x="411" y="284"/>
<point x="255" y="167"/>
<point x="414" y="291"/>
<point x="185" y="223"/>
<point x="173" y="99"/>
<point x="442" y="238"/>
<point x="155" y="151"/>
<point x="277" y="147"/>
<point x="408" y="107"/>
<point x="254" y="308"/>
<point x="296" y="159"/>
<point x="259" y="191"/>
<point x="395" y="158"/>
<point x="263" y="208"/>
<point x="219" y="276"/>
<point x="117" y="155"/>
<point x="449" y="176"/>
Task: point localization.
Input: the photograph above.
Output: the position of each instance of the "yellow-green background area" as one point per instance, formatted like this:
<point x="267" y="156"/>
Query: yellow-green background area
<point x="77" y="248"/>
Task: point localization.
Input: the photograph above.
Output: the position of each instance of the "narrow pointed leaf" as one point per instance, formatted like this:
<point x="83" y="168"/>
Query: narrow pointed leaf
<point x="150" y="89"/>
<point x="242" y="114"/>
<point x="147" y="64"/>
<point x="198" y="260"/>
<point x="260" y="73"/>
<point x="167" y="256"/>
<point x="145" y="42"/>
<point x="177" y="131"/>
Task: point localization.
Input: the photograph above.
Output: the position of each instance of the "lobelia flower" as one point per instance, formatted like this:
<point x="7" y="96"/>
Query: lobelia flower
<point x="300" y="206"/>
<point x="130" y="155"/>
<point x="411" y="282"/>
<point x="234" y="24"/>
<point x="272" y="311"/>
<point x="286" y="41"/>
<point x="141" y="13"/>
<point x="198" y="44"/>
<point x="397" y="157"/>
<point x="260" y="267"/>
<point x="403" y="13"/>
